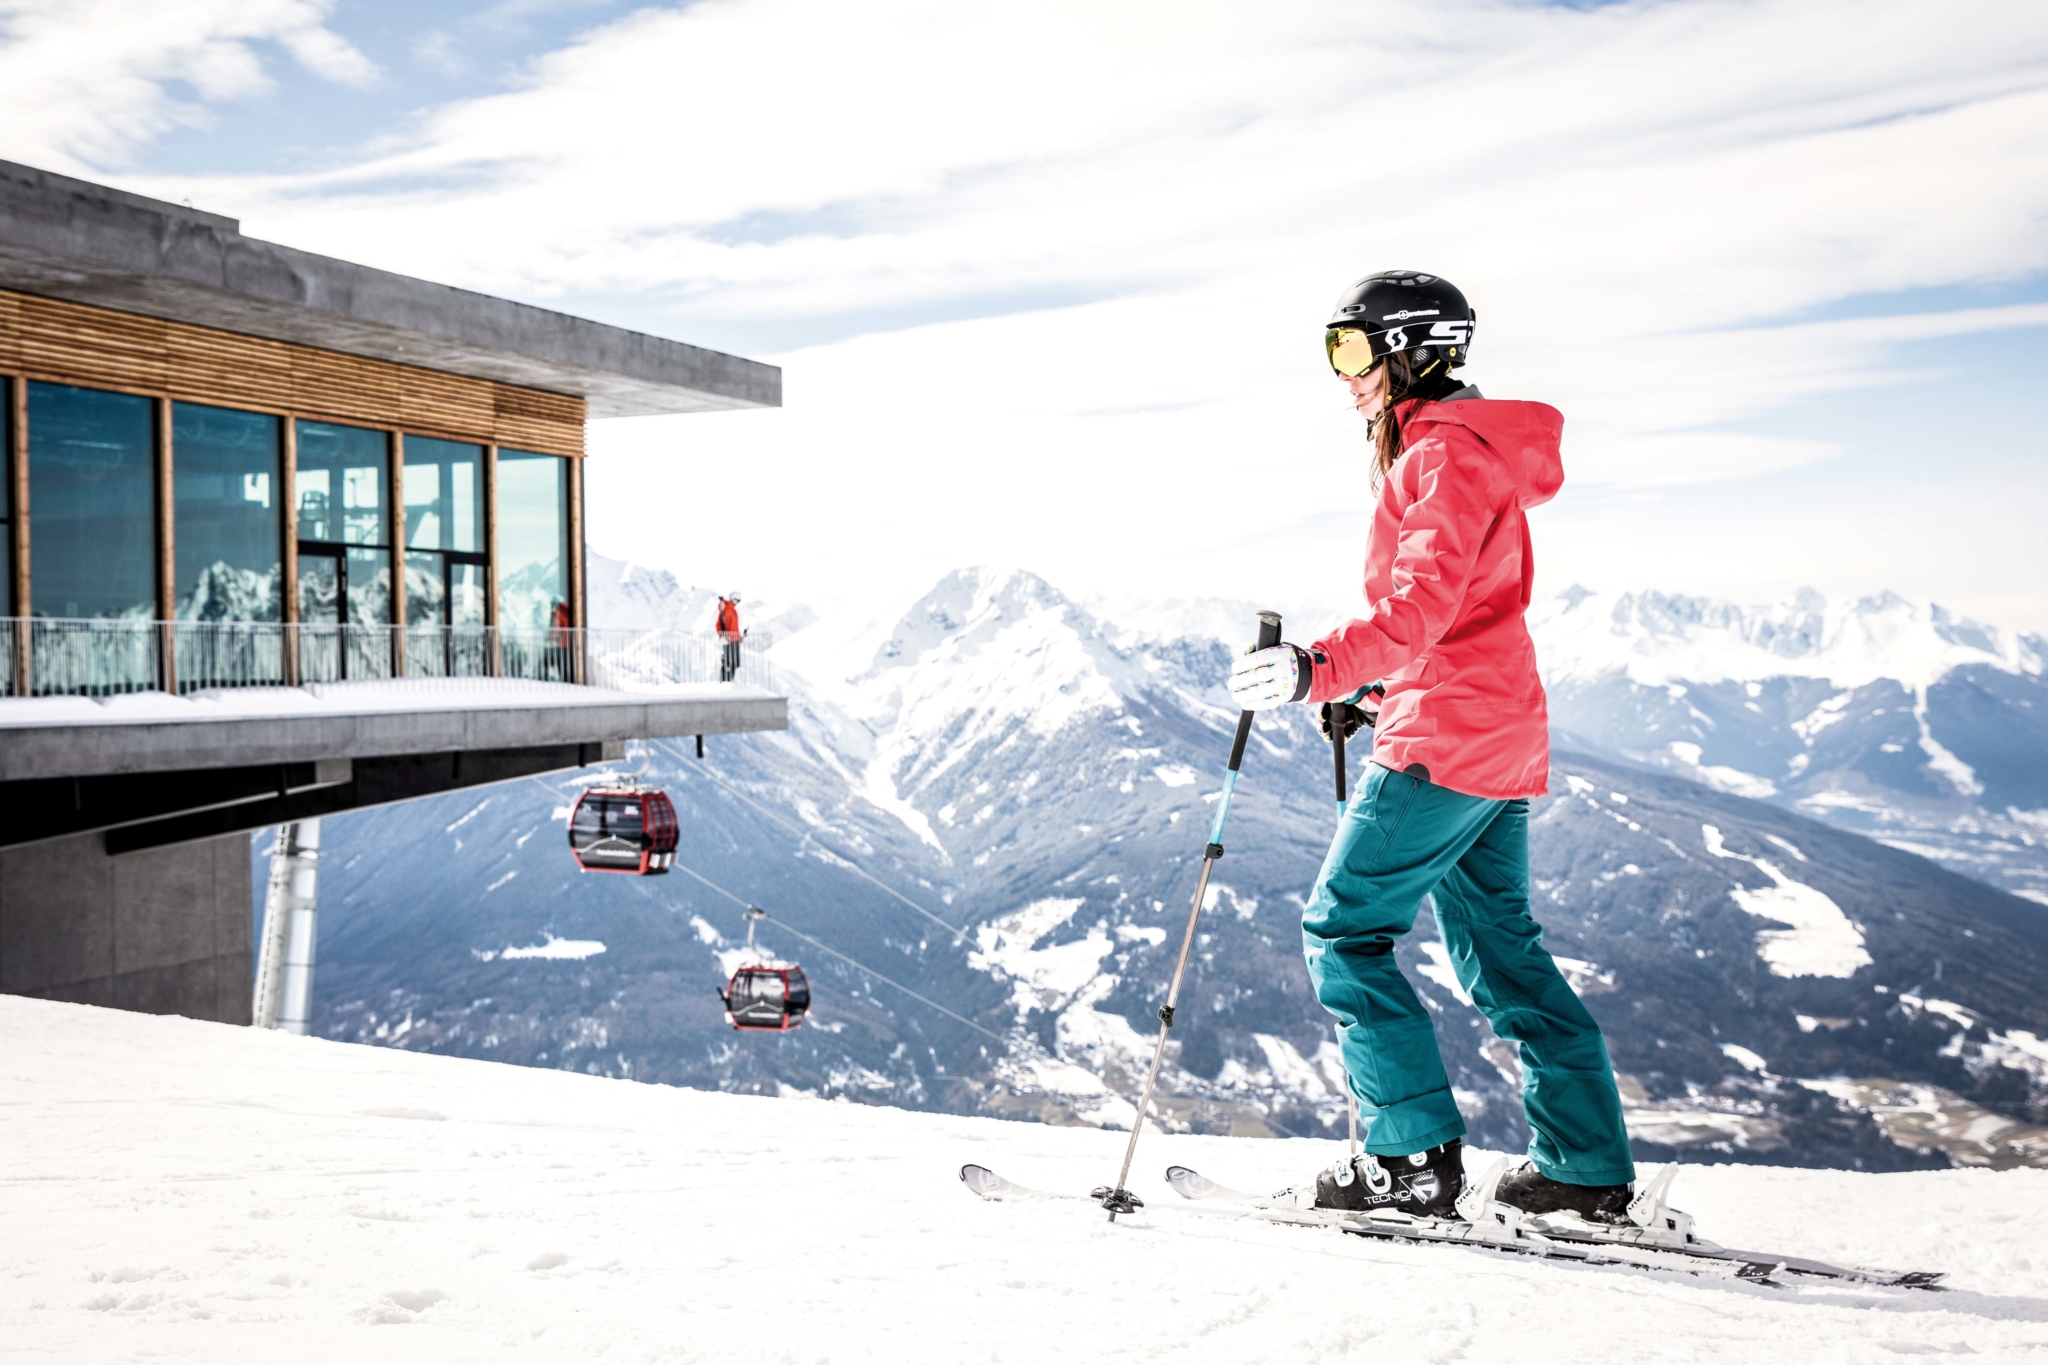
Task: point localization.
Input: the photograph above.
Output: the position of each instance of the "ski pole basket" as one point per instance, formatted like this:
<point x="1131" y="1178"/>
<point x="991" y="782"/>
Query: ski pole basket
<point x="627" y="829"/>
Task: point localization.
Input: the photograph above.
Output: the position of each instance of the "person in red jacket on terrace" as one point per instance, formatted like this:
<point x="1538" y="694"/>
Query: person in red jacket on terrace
<point x="1462" y="743"/>
<point x="727" y="626"/>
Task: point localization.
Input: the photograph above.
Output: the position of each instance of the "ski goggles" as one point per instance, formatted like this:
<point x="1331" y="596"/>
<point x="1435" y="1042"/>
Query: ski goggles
<point x="1350" y="351"/>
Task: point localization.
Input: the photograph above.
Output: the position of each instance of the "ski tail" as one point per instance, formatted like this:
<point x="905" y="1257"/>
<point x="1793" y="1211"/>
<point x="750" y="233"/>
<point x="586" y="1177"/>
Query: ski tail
<point x="985" y="1183"/>
<point x="1189" y="1183"/>
<point x="1192" y="1184"/>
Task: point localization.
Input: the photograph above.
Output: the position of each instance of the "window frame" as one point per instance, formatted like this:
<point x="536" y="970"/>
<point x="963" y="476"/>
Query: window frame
<point x="17" y="526"/>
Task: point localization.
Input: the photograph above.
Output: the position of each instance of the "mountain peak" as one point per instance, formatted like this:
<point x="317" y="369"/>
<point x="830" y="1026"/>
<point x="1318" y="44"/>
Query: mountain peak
<point x="1658" y="638"/>
<point x="968" y="607"/>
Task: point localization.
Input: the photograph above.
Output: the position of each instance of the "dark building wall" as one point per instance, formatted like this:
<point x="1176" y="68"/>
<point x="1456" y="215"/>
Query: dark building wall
<point x="161" y="931"/>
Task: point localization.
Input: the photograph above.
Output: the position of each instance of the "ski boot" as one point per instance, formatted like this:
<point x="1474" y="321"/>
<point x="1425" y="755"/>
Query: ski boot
<point x="1536" y="1195"/>
<point x="1424" y="1185"/>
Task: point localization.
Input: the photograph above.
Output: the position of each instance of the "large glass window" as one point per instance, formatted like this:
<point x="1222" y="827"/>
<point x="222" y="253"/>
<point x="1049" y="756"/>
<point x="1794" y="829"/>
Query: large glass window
<point x="225" y="481"/>
<point x="444" y="495"/>
<point x="444" y="513"/>
<point x="342" y="476"/>
<point x="444" y="559"/>
<point x="90" y="475"/>
<point x="343" y="492"/>
<point x="441" y="590"/>
<point x="533" y="540"/>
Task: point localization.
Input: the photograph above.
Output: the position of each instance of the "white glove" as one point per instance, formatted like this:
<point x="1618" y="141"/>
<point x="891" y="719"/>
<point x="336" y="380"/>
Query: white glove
<point x="1266" y="678"/>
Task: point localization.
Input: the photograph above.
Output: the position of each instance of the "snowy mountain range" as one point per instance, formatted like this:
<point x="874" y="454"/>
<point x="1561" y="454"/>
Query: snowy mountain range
<point x="1037" y="779"/>
<point x="1883" y="716"/>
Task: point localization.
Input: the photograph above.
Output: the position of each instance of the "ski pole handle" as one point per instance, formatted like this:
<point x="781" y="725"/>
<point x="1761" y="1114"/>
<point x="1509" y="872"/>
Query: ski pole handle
<point x="1269" y="635"/>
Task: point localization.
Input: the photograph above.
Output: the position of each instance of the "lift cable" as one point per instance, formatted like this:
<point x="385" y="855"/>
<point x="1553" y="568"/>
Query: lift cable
<point x="857" y="965"/>
<point x="858" y="871"/>
<point x="747" y="905"/>
<point x="824" y="948"/>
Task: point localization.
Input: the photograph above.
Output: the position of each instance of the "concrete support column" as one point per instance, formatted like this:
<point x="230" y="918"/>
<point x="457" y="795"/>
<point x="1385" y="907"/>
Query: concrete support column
<point x="284" y="970"/>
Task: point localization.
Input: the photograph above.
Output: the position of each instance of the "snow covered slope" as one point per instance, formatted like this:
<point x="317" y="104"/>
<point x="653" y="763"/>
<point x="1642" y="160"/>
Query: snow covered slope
<point x="179" y="1191"/>
<point x="1893" y="718"/>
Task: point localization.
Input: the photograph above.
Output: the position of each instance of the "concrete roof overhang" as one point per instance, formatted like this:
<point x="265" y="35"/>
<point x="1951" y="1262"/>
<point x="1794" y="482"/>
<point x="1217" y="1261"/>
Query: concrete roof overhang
<point x="61" y="737"/>
<point x="72" y="239"/>
<point x="148" y="771"/>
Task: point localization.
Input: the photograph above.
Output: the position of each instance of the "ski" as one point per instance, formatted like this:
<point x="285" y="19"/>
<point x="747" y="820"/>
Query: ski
<point x="1504" y="1236"/>
<point x="1661" y="1231"/>
<point x="1654" y="1223"/>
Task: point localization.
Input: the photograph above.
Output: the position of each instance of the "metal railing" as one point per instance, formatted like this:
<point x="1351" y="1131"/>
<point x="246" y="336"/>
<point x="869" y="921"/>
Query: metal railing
<point x="90" y="658"/>
<point x="104" y="657"/>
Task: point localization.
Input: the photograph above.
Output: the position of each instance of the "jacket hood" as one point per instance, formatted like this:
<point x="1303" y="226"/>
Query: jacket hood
<point x="1525" y="435"/>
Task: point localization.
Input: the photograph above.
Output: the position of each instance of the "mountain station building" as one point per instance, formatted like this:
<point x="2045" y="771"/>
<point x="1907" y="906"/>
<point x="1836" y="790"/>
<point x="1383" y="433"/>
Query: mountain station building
<point x="287" y="536"/>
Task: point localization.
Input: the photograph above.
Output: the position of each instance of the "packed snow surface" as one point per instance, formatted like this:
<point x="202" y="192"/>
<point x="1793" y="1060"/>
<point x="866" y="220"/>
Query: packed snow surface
<point x="178" y="1191"/>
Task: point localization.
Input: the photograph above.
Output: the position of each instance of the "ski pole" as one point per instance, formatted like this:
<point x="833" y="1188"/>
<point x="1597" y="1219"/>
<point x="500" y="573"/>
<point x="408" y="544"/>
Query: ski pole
<point x="1337" y="747"/>
<point x="1120" y="1199"/>
<point x="1337" y="719"/>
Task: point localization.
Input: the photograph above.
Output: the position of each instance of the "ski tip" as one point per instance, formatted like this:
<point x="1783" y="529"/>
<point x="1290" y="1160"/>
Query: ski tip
<point x="981" y="1180"/>
<point x="1921" y="1279"/>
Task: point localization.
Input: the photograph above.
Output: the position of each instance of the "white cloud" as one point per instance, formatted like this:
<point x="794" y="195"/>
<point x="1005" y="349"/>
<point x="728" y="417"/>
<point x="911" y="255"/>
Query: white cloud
<point x="1636" y="196"/>
<point x="329" y="56"/>
<point x="89" y="82"/>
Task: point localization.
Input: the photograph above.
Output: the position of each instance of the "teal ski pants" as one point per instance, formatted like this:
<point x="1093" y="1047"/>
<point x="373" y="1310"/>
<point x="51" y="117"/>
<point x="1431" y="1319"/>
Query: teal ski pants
<point x="1402" y="838"/>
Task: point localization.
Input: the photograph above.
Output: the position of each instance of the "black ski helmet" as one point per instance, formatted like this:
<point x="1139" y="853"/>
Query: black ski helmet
<point x="1405" y="310"/>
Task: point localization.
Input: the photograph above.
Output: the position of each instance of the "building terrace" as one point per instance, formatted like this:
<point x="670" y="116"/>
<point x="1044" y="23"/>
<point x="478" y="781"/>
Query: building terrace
<point x="287" y="536"/>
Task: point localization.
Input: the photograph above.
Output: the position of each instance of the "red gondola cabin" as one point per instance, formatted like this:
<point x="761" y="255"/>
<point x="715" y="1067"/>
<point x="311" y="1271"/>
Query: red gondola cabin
<point x="624" y="829"/>
<point x="767" y="998"/>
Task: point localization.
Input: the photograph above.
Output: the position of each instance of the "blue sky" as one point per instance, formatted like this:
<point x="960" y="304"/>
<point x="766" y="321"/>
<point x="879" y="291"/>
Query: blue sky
<point x="1048" y="280"/>
<point x="427" y="52"/>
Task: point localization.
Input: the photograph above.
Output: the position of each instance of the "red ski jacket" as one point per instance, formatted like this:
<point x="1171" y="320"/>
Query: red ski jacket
<point x="1448" y="571"/>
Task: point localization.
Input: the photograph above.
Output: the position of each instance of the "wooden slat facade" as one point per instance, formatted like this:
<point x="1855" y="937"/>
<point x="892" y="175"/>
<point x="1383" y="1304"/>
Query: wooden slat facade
<point x="74" y="343"/>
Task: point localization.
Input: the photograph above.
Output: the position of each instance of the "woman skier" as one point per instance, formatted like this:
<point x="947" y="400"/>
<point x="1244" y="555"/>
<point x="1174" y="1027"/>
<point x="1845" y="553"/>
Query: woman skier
<point x="1461" y="744"/>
